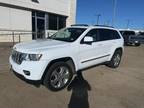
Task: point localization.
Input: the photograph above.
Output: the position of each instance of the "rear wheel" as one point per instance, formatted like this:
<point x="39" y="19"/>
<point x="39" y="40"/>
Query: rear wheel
<point x="116" y="59"/>
<point x="58" y="76"/>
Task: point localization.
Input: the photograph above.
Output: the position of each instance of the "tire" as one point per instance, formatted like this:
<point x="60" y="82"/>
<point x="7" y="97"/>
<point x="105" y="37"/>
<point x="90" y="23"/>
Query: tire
<point x="115" y="60"/>
<point x="58" y="76"/>
<point x="126" y="44"/>
<point x="137" y="44"/>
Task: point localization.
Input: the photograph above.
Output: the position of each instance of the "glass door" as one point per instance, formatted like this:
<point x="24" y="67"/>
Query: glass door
<point x="38" y="24"/>
<point x="40" y="28"/>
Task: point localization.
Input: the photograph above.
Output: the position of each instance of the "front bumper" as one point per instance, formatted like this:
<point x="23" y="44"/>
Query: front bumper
<point x="36" y="68"/>
<point x="36" y="83"/>
<point x="134" y="41"/>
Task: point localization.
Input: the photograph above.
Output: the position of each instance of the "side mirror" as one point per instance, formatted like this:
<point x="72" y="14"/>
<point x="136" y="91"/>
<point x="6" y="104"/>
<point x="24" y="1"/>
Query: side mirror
<point x="88" y="39"/>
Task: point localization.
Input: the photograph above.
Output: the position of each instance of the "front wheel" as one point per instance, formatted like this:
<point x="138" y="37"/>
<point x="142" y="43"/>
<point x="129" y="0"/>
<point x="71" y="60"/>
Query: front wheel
<point x="58" y="76"/>
<point x="116" y="59"/>
<point x="137" y="44"/>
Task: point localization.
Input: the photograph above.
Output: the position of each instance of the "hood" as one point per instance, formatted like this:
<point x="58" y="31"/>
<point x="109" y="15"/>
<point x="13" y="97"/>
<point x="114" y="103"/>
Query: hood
<point x="39" y="45"/>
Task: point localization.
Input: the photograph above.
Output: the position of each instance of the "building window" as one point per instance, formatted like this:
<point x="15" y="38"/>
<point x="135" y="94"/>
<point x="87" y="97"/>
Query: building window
<point x="56" y="22"/>
<point x="42" y="21"/>
<point x="40" y="14"/>
<point x="62" y="22"/>
<point x="53" y="22"/>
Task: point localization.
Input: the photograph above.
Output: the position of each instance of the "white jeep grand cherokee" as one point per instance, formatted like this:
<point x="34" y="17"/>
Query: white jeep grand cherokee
<point x="55" y="60"/>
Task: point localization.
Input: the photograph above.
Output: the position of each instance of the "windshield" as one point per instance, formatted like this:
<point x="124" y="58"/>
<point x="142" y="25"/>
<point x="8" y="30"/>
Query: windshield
<point x="68" y="34"/>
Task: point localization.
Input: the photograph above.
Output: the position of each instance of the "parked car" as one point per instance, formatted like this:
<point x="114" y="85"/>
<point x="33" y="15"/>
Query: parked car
<point x="141" y="33"/>
<point x="141" y="37"/>
<point x="55" y="60"/>
<point x="130" y="37"/>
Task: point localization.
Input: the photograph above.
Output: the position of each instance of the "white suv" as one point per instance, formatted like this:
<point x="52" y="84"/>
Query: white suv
<point x="54" y="61"/>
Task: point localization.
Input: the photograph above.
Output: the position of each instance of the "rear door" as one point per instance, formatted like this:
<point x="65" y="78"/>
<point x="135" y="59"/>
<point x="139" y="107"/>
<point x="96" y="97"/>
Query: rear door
<point x="110" y="40"/>
<point x="106" y="42"/>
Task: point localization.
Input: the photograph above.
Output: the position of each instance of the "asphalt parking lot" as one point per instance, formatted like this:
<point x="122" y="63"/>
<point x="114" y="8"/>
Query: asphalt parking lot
<point x="101" y="87"/>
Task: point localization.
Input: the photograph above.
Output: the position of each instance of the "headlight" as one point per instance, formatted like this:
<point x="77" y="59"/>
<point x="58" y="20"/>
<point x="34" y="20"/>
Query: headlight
<point x="33" y="57"/>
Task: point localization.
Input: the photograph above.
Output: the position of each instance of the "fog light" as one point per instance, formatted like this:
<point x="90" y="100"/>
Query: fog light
<point x="26" y="72"/>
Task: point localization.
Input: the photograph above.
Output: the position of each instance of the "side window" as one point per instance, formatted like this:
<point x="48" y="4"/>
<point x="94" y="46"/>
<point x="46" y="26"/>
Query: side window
<point x="93" y="33"/>
<point x="106" y="34"/>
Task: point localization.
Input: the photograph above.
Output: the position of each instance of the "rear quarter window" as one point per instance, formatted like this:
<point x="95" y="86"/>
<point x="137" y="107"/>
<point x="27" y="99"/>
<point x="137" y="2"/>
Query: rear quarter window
<point x="115" y="35"/>
<point x="107" y="34"/>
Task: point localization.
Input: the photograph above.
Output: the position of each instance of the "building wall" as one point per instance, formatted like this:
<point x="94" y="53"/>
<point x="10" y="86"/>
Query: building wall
<point x="53" y="6"/>
<point x="16" y="14"/>
<point x="61" y="7"/>
<point x="72" y="12"/>
<point x="14" y="19"/>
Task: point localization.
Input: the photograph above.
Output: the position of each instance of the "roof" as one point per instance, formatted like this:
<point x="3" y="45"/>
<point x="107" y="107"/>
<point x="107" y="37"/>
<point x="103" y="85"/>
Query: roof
<point x="92" y="26"/>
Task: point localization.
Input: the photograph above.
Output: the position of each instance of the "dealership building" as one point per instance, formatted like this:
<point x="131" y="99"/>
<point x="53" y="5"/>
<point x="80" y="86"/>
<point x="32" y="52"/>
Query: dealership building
<point x="36" y="16"/>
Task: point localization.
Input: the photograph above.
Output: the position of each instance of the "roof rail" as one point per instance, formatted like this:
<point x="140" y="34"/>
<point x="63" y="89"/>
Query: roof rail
<point x="80" y="25"/>
<point x="104" y="26"/>
<point x="86" y="25"/>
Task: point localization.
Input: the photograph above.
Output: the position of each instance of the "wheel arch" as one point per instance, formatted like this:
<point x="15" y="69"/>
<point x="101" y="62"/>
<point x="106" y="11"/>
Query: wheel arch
<point x="120" y="48"/>
<point x="116" y="49"/>
<point x="68" y="60"/>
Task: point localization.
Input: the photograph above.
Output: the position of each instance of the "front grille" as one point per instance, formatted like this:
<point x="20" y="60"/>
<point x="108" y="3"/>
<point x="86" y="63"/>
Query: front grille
<point x="18" y="57"/>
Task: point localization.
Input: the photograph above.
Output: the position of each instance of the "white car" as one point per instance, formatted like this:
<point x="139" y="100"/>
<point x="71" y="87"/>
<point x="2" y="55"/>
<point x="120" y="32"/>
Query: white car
<point x="55" y="60"/>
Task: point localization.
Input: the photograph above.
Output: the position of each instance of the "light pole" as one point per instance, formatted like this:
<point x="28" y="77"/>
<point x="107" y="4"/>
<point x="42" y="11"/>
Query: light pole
<point x="98" y="17"/>
<point x="107" y="23"/>
<point x="114" y="12"/>
<point x="128" y="22"/>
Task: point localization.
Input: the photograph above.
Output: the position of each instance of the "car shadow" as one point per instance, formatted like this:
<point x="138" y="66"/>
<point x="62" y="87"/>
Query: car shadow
<point x="79" y="87"/>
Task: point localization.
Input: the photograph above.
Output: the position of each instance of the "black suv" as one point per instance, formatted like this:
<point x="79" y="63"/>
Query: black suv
<point x="130" y="37"/>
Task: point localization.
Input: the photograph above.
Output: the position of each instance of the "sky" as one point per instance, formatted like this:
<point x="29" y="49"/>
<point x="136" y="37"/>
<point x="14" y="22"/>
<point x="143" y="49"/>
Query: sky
<point x="132" y="10"/>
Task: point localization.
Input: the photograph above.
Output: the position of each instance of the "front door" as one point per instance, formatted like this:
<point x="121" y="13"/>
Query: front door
<point x="91" y="54"/>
